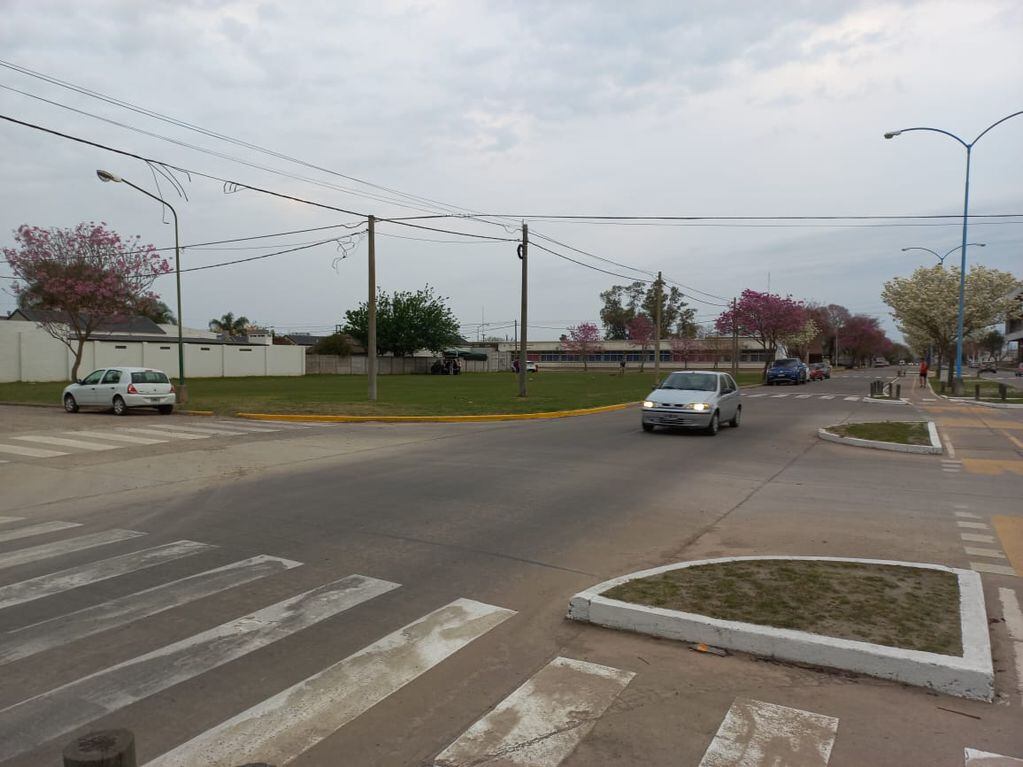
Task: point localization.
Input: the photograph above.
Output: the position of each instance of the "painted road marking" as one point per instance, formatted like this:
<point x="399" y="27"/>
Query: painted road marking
<point x="55" y="632"/>
<point x="975" y="538"/>
<point x="754" y="396"/>
<point x="8" y="520"/>
<point x="960" y="506"/>
<point x="984" y="567"/>
<point x="118" y="437"/>
<point x="34" y="721"/>
<point x="1010" y="533"/>
<point x="30" y="452"/>
<point x="972" y="525"/>
<point x="994" y="553"/>
<point x="247" y="426"/>
<point x="803" y="396"/>
<point x="39" y="529"/>
<point x="975" y="758"/>
<point x="967" y="515"/>
<point x="777" y="396"/>
<point x="758" y="734"/>
<point x="1013" y="440"/>
<point x="196" y="429"/>
<point x="285" y="725"/>
<point x="827" y="396"/>
<point x="170" y="434"/>
<point x="852" y="399"/>
<point x="63" y="442"/>
<point x="1012" y="613"/>
<point x="949" y="447"/>
<point x="543" y="721"/>
<point x="94" y="572"/>
<point x="56" y="549"/>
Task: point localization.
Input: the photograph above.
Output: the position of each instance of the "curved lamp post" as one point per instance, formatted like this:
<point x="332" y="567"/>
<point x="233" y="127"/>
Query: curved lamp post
<point x="968" y="146"/>
<point x="941" y="258"/>
<point x="105" y="175"/>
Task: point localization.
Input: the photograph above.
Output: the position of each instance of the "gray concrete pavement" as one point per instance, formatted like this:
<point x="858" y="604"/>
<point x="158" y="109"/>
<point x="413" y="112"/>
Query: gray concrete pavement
<point x="517" y="516"/>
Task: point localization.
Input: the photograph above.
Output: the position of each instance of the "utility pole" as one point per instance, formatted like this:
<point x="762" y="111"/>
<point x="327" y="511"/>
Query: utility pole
<point x="523" y="256"/>
<point x="735" y="343"/>
<point x="657" y="329"/>
<point x="371" y="312"/>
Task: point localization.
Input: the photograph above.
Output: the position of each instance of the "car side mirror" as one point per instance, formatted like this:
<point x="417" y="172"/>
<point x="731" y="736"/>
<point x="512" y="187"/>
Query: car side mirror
<point x="78" y="381"/>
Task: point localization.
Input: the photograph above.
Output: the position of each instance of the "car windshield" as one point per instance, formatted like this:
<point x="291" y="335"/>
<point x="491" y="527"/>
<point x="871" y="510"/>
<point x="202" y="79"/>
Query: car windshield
<point x="785" y="363"/>
<point x="691" y="382"/>
<point x="149" y="377"/>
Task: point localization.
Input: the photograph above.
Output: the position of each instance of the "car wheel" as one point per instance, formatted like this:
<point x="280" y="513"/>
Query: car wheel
<point x="120" y="407"/>
<point x="165" y="409"/>
<point x="734" y="423"/>
<point x="69" y="404"/>
<point x="714" y="425"/>
<point x="648" y="426"/>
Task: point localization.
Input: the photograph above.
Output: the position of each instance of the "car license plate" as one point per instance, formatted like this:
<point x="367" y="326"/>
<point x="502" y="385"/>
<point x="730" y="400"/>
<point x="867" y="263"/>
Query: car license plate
<point x="155" y="399"/>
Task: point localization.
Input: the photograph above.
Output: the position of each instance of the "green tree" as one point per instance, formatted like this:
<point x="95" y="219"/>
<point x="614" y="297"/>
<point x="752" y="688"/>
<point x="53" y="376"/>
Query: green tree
<point x="993" y="342"/>
<point x="157" y="311"/>
<point x="338" y="344"/>
<point x="622" y="303"/>
<point x="406" y="323"/>
<point x="229" y="325"/>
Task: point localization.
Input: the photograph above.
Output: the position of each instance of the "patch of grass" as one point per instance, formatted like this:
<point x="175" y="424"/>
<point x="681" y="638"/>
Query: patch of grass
<point x="468" y="394"/>
<point x="989" y="390"/>
<point x="901" y="432"/>
<point x="907" y="607"/>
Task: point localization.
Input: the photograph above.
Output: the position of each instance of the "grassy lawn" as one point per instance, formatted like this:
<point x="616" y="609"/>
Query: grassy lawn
<point x="904" y="607"/>
<point x="902" y="432"/>
<point x="989" y="390"/>
<point x="469" y="394"/>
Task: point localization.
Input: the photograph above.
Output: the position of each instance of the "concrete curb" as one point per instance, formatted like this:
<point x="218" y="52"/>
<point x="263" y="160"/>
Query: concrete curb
<point x="968" y="676"/>
<point x="435" y="418"/>
<point x="882" y="401"/>
<point x="33" y="404"/>
<point x="934" y="448"/>
<point x="981" y="403"/>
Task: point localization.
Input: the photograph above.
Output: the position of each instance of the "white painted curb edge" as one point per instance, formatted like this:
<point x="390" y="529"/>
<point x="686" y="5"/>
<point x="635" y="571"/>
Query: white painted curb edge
<point x="880" y="401"/>
<point x="969" y="676"/>
<point x="979" y="403"/>
<point x="934" y="448"/>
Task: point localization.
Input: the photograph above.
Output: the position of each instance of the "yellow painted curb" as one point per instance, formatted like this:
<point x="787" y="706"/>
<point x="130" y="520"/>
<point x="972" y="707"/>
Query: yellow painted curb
<point x="196" y="412"/>
<point x="434" y="418"/>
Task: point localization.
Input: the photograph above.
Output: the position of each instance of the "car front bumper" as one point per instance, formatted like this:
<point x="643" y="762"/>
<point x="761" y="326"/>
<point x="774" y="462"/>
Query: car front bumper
<point x="689" y="419"/>
<point x="149" y="400"/>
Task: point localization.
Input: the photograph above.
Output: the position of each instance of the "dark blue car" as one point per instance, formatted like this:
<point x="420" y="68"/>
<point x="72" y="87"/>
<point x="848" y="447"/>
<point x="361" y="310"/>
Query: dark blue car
<point x="790" y="370"/>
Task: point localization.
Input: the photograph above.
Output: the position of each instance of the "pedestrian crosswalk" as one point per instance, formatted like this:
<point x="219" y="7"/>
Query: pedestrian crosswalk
<point x="540" y="723"/>
<point x="793" y="395"/>
<point x="139" y="433"/>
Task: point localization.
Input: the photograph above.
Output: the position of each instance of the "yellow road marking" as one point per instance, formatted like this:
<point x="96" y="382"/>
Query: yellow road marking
<point x="1013" y="440"/>
<point x="993" y="466"/>
<point x="976" y="423"/>
<point x="1010" y="532"/>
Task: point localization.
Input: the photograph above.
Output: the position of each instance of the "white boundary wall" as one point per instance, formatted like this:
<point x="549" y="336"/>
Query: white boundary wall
<point x="29" y="353"/>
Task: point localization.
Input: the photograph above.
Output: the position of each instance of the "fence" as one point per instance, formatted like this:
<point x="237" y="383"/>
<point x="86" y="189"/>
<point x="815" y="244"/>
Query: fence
<point x="329" y="364"/>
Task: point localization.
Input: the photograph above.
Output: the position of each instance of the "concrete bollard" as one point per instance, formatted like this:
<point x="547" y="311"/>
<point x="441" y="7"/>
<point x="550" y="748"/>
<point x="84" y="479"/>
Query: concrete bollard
<point x="1003" y="392"/>
<point x="976" y="391"/>
<point x="941" y="388"/>
<point x="898" y="391"/>
<point x="104" y="748"/>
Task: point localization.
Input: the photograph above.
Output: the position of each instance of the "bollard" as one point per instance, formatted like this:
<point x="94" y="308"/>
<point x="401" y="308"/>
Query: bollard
<point x="942" y="387"/>
<point x="976" y="391"/>
<point x="104" y="748"/>
<point x="898" y="391"/>
<point x="1003" y="392"/>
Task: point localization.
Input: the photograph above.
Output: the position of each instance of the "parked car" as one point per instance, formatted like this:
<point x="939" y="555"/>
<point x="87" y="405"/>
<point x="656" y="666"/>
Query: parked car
<point x="788" y="370"/>
<point x="987" y="367"/>
<point x="1019" y="370"/>
<point x="880" y="362"/>
<point x="693" y="399"/>
<point x="532" y="367"/>
<point x="121" y="389"/>
<point x="819" y="371"/>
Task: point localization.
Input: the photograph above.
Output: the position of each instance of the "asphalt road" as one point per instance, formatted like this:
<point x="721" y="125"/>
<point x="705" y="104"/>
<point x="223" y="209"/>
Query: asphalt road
<point x="515" y="517"/>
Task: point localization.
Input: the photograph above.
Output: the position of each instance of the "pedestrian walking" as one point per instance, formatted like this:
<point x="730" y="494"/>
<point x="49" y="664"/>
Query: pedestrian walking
<point x="923" y="375"/>
<point x="621" y="366"/>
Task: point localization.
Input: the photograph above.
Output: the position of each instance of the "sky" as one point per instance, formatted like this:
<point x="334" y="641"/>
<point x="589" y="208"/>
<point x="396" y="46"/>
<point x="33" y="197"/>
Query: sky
<point x="518" y="111"/>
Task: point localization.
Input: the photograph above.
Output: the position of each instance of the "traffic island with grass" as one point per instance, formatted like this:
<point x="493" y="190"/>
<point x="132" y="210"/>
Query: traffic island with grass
<point x="899" y="436"/>
<point x="916" y="623"/>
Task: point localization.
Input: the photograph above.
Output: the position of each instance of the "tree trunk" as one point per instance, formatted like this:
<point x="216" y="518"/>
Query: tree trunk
<point x="642" y="360"/>
<point x="78" y="359"/>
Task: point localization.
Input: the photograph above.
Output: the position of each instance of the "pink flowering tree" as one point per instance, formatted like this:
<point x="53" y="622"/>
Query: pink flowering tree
<point x="682" y="349"/>
<point x="583" y="339"/>
<point x="80" y="278"/>
<point x="765" y="317"/>
<point x="641" y="333"/>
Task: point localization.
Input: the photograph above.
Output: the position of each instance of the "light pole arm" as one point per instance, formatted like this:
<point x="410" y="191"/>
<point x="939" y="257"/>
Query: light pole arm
<point x="932" y="130"/>
<point x="992" y="125"/>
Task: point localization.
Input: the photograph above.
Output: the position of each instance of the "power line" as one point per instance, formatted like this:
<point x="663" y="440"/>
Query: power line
<point x="581" y="263"/>
<point x="680" y="218"/>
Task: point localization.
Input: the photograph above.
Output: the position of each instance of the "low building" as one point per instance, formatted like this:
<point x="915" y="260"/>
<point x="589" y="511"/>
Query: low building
<point x="709" y="352"/>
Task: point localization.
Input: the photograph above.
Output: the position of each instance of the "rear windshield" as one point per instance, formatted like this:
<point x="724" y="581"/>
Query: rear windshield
<point x="784" y="363"/>
<point x="691" y="381"/>
<point x="149" y="376"/>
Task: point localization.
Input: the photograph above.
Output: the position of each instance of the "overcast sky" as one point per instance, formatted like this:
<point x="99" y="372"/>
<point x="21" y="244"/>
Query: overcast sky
<point x="526" y="109"/>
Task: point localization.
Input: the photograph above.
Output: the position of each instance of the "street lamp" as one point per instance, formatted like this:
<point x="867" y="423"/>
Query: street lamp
<point x="105" y="175"/>
<point x="968" y="146"/>
<point x="941" y="259"/>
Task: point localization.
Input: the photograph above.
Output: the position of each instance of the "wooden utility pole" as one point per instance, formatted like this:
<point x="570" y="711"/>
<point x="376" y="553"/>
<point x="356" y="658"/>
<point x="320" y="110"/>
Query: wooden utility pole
<point x="371" y="313"/>
<point x="523" y="256"/>
<point x="657" y="329"/>
<point x="735" y="343"/>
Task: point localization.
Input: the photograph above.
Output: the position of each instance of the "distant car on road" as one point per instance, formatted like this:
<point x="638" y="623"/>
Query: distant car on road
<point x="987" y="367"/>
<point x="121" y="389"/>
<point x="880" y="362"/>
<point x="788" y="370"/>
<point x="1019" y="370"/>
<point x="693" y="399"/>
<point x="532" y="367"/>
<point x="819" y="371"/>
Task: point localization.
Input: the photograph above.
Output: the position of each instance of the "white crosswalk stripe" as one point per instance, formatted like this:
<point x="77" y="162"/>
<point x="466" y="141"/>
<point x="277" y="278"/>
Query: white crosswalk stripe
<point x="197" y="429"/>
<point x="34" y="721"/>
<point x="754" y="396"/>
<point x="984" y="567"/>
<point x="108" y="435"/>
<point x="804" y="396"/>
<point x="827" y="396"/>
<point x="65" y="442"/>
<point x="249" y="427"/>
<point x="975" y="758"/>
<point x="543" y="721"/>
<point x="779" y="396"/>
<point x="9" y="520"/>
<point x="30" y="452"/>
<point x="169" y="434"/>
<point x="59" y="548"/>
<point x="759" y="734"/>
<point x="853" y="399"/>
<point x="38" y="529"/>
<point x="23" y="642"/>
<point x="283" y="726"/>
<point x="94" y="572"/>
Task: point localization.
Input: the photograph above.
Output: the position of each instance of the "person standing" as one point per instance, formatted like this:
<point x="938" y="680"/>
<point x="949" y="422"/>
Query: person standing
<point x="923" y="374"/>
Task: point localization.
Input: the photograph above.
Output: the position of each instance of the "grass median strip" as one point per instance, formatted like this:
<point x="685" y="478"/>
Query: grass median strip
<point x="905" y="607"/>
<point x="899" y="432"/>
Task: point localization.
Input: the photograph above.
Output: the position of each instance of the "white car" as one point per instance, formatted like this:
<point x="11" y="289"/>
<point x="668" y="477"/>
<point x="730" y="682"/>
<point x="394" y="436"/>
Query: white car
<point x="694" y="399"/>
<point x="532" y="367"/>
<point x="121" y="389"/>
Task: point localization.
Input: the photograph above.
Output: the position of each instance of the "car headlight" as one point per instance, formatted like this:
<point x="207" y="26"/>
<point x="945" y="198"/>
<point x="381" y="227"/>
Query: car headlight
<point x="648" y="403"/>
<point x="700" y="406"/>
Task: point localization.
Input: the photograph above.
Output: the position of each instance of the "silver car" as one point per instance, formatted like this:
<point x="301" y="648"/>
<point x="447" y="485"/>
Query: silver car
<point x="121" y="388"/>
<point x="693" y="399"/>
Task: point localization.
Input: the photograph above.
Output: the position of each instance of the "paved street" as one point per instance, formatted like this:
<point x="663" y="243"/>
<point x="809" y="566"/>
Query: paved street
<point x="395" y="594"/>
